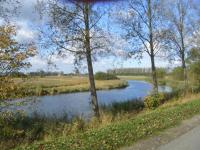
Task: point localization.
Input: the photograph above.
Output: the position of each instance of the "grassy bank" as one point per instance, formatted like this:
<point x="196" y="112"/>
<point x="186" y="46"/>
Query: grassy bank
<point x="126" y="132"/>
<point x="167" y="80"/>
<point x="140" y="78"/>
<point x="57" y="85"/>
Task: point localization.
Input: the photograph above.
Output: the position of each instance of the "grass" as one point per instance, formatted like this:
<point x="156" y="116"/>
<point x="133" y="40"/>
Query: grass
<point x="167" y="80"/>
<point x="143" y="78"/>
<point x="125" y="132"/>
<point x="135" y="105"/>
<point x="57" y="85"/>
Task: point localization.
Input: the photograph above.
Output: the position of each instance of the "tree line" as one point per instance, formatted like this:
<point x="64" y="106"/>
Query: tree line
<point x="130" y="71"/>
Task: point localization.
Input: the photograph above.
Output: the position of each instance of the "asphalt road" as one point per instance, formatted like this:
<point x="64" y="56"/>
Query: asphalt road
<point x="188" y="141"/>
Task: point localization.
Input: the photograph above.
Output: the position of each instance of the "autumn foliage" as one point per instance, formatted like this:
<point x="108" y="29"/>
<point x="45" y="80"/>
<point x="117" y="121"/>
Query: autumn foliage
<point x="13" y="57"/>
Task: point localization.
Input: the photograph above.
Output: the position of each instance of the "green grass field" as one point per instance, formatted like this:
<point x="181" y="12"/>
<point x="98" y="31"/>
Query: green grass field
<point x="64" y="84"/>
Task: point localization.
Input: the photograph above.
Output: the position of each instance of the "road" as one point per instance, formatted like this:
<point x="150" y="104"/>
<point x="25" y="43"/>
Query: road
<point x="185" y="136"/>
<point x="188" y="141"/>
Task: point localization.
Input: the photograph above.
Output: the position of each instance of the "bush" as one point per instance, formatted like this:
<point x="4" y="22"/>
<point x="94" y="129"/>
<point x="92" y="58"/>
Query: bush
<point x="105" y="76"/>
<point x="194" y="73"/>
<point x="126" y="106"/>
<point x="153" y="101"/>
<point x="162" y="82"/>
<point x="174" y="94"/>
<point x="178" y="73"/>
<point x="53" y="91"/>
<point x="161" y="73"/>
<point x="40" y="91"/>
<point x="9" y="89"/>
<point x="18" y="125"/>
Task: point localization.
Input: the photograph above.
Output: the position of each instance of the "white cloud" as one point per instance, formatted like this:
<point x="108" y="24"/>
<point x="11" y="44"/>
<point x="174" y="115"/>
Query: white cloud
<point x="38" y="61"/>
<point x="25" y="33"/>
<point x="41" y="63"/>
<point x="64" y="60"/>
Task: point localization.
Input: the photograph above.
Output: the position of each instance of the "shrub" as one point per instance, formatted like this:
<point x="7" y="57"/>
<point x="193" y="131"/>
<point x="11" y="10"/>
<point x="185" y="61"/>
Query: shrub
<point x="17" y="128"/>
<point x="194" y="73"/>
<point x="178" y="73"/>
<point x="195" y="89"/>
<point x="160" y="73"/>
<point x="153" y="101"/>
<point x="40" y="91"/>
<point x="105" y="76"/>
<point x="53" y="91"/>
<point x="126" y="106"/>
<point x="162" y="82"/>
<point x="9" y="89"/>
<point x="174" y="94"/>
<point x="18" y="125"/>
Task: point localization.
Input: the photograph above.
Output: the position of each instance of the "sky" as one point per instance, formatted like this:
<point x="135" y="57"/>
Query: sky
<point x="27" y="22"/>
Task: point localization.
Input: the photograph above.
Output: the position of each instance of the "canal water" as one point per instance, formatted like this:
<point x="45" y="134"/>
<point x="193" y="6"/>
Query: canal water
<point x="78" y="104"/>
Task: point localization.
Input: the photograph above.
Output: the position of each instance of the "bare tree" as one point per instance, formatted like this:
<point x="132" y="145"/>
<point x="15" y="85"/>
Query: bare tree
<point x="141" y="24"/>
<point x="74" y="27"/>
<point x="195" y="40"/>
<point x="178" y="16"/>
<point x="9" y="8"/>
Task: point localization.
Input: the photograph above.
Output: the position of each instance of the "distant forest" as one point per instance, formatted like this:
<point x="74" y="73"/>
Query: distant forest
<point x="133" y="71"/>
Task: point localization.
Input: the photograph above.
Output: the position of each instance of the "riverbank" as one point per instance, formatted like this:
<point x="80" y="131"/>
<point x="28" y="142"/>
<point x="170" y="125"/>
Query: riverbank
<point x="53" y="85"/>
<point x="126" y="131"/>
<point x="139" y="78"/>
<point x="167" y="80"/>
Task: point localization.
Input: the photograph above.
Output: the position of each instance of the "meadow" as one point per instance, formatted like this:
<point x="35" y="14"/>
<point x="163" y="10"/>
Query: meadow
<point x="52" y="85"/>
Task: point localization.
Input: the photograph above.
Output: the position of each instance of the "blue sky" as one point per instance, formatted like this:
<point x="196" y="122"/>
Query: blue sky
<point x="28" y="21"/>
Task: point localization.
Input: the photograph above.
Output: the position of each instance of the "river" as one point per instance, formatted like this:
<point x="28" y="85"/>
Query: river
<point x="78" y="104"/>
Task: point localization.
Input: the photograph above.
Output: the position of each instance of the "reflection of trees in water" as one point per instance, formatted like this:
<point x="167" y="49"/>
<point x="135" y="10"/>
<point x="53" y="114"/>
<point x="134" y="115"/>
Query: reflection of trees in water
<point x="19" y="104"/>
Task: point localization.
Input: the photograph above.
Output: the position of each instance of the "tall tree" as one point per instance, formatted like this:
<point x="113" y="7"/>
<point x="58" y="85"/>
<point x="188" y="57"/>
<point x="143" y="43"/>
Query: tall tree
<point x="75" y="28"/>
<point x="141" y="24"/>
<point x="13" y="56"/>
<point x="178" y="15"/>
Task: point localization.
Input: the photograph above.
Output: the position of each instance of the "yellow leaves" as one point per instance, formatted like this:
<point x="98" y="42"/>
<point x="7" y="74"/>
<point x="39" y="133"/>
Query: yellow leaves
<point x="12" y="53"/>
<point x="6" y="33"/>
<point x="8" y="30"/>
<point x="31" y="50"/>
<point x="9" y="89"/>
<point x="20" y="56"/>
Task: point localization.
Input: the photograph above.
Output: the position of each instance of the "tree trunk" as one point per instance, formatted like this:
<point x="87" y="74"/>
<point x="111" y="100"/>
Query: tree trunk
<point x="183" y="50"/>
<point x="94" y="100"/>
<point x="183" y="60"/>
<point x="184" y="69"/>
<point x="153" y="67"/>
<point x="154" y="75"/>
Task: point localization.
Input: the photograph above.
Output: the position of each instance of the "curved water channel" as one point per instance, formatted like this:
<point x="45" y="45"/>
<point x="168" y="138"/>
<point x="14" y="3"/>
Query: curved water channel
<point x="78" y="104"/>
